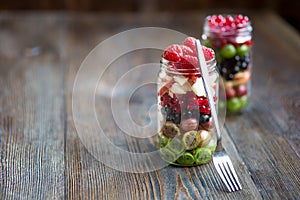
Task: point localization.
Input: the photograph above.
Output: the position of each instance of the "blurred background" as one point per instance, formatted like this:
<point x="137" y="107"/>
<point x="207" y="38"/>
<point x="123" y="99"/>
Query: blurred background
<point x="288" y="9"/>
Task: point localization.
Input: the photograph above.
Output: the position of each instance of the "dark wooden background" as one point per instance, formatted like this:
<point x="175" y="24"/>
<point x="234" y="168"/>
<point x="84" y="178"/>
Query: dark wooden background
<point x="42" y="157"/>
<point x="288" y="9"/>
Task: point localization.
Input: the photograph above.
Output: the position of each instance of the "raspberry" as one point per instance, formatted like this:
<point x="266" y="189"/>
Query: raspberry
<point x="185" y="56"/>
<point x="173" y="53"/>
<point x="171" y="56"/>
<point x="190" y="42"/>
<point x="187" y="50"/>
<point x="191" y="60"/>
<point x="208" y="53"/>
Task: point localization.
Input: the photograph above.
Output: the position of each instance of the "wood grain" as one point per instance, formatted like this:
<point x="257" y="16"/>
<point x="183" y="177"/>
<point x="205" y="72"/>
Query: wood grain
<point x="31" y="116"/>
<point x="43" y="156"/>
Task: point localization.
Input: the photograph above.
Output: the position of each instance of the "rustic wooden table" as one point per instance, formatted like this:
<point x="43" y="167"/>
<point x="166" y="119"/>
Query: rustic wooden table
<point x="42" y="156"/>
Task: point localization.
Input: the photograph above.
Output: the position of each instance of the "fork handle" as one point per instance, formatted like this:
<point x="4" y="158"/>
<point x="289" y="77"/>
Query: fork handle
<point x="204" y="72"/>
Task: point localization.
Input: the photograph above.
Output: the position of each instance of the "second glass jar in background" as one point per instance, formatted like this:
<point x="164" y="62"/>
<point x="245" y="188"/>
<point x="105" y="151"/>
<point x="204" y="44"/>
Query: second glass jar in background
<point x="231" y="38"/>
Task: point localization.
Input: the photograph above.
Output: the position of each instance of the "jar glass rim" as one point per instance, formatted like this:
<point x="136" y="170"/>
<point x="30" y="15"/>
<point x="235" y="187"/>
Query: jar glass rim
<point x="168" y="65"/>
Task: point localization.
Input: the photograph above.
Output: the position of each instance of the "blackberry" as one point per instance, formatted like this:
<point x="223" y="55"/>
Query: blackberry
<point x="237" y="58"/>
<point x="204" y="119"/>
<point x="244" y="65"/>
<point x="236" y="69"/>
<point x="229" y="77"/>
<point x="172" y="116"/>
<point x="169" y="118"/>
<point x="224" y="70"/>
<point x="229" y="67"/>
<point x="246" y="58"/>
<point x="228" y="63"/>
<point x="168" y="110"/>
<point x="176" y="118"/>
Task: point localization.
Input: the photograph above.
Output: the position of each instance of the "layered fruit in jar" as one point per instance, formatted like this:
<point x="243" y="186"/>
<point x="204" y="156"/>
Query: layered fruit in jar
<point x="230" y="37"/>
<point x="186" y="135"/>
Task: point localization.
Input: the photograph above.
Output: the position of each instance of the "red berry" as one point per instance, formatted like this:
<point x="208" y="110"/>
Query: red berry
<point x="229" y="20"/>
<point x="204" y="109"/>
<point x="187" y="50"/>
<point x="192" y="60"/>
<point x="220" y="19"/>
<point x="190" y="42"/>
<point x="165" y="99"/>
<point x="249" y="42"/>
<point x="200" y="100"/>
<point x="241" y="90"/>
<point x="205" y="102"/>
<point x="208" y="53"/>
<point x="230" y="92"/>
<point x="177" y="109"/>
<point x="241" y="20"/>
<point x="171" y="56"/>
<point x="227" y="23"/>
<point x="212" y="21"/>
<point x="173" y="53"/>
<point x="239" y="17"/>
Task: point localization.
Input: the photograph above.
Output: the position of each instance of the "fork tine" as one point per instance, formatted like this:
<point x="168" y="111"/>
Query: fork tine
<point x="224" y="177"/>
<point x="235" y="177"/>
<point x="230" y="176"/>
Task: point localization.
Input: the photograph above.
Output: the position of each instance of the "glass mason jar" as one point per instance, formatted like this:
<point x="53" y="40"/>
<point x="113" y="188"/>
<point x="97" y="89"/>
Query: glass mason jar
<point x="231" y="38"/>
<point x="186" y="134"/>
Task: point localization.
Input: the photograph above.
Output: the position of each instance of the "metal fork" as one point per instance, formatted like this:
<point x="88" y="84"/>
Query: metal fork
<point x="220" y="158"/>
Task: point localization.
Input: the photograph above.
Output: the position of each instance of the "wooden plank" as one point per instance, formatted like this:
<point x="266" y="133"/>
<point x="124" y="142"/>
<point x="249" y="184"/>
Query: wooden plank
<point x="267" y="136"/>
<point x="32" y="104"/>
<point x="42" y="156"/>
<point x="88" y="178"/>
